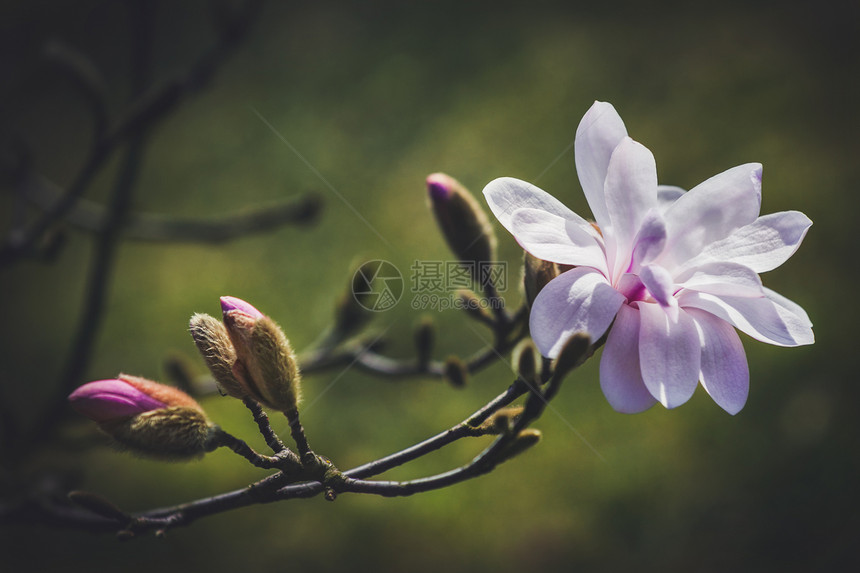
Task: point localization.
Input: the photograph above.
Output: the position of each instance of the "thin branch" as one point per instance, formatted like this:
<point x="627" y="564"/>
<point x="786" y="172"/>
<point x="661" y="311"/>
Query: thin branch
<point x="466" y="428"/>
<point x="156" y="227"/>
<point x="506" y="335"/>
<point x="262" y="420"/>
<point x="141" y="115"/>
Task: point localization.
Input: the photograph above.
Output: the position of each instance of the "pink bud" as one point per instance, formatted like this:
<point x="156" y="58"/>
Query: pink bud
<point x="440" y="186"/>
<point x="231" y="303"/>
<point x="106" y="400"/>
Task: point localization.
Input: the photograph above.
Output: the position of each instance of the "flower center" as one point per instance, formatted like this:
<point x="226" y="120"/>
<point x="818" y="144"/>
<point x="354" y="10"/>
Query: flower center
<point x="632" y="287"/>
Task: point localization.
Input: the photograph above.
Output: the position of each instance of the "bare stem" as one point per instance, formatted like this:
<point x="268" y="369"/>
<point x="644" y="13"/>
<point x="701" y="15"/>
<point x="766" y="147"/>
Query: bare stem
<point x="262" y="420"/>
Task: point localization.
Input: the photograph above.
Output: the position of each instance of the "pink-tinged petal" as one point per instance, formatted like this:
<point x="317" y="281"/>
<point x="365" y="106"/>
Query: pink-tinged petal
<point x="722" y="278"/>
<point x="620" y="376"/>
<point x="552" y="238"/>
<point x="724" y="372"/>
<point x="579" y="300"/>
<point x="659" y="283"/>
<point x="598" y="134"/>
<point x="669" y="355"/>
<point x="231" y="303"/>
<point x="630" y="193"/>
<point x="762" y="318"/>
<point x="649" y="241"/>
<point x="712" y="210"/>
<point x="105" y="400"/>
<point x="764" y="244"/>
<point x="506" y="195"/>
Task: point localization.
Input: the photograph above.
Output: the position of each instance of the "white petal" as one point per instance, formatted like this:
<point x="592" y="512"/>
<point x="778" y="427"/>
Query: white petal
<point x="669" y="354"/>
<point x="724" y="372"/>
<point x="552" y="238"/>
<point x="620" y="377"/>
<point x="668" y="194"/>
<point x="649" y="242"/>
<point x="598" y="134"/>
<point x="788" y="307"/>
<point x="762" y="318"/>
<point x="712" y="210"/>
<point x="722" y="278"/>
<point x="630" y="192"/>
<point x="579" y="300"/>
<point x="506" y="194"/>
<point x="659" y="283"/>
<point x="764" y="244"/>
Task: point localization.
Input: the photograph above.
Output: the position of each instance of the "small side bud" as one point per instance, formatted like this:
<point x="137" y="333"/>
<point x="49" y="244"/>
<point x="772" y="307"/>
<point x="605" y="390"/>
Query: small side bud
<point x="146" y="417"/>
<point x="456" y="372"/>
<point x="349" y="315"/>
<point x="536" y="274"/>
<point x="464" y="224"/>
<point x="572" y="354"/>
<point x="266" y="365"/>
<point x="473" y="305"/>
<point x="424" y="336"/>
<point x="526" y="361"/>
<point x="524" y="440"/>
<point x="501" y="421"/>
<point x="211" y="338"/>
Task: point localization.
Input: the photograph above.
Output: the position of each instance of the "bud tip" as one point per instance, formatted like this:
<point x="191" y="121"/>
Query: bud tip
<point x="440" y="186"/>
<point x="105" y="400"/>
<point x="230" y="303"/>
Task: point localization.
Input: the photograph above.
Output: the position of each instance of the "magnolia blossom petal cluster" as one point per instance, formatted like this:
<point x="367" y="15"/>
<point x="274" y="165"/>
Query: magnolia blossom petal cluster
<point x="673" y="272"/>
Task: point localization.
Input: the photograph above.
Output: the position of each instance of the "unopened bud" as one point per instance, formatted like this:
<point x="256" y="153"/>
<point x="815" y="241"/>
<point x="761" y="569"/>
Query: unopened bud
<point x="572" y="354"/>
<point x="349" y="315"/>
<point x="463" y="223"/>
<point x="146" y="417"/>
<point x="501" y="421"/>
<point x="424" y="336"/>
<point x="211" y="338"/>
<point x="473" y="305"/>
<point x="526" y="361"/>
<point x="266" y="365"/>
<point x="524" y="440"/>
<point x="536" y="274"/>
<point x="456" y="372"/>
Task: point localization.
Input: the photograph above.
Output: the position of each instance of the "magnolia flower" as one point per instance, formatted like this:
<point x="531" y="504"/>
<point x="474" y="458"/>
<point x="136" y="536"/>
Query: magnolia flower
<point x="674" y="270"/>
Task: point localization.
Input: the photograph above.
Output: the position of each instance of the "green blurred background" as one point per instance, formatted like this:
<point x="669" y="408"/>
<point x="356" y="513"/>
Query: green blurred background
<point x="375" y="96"/>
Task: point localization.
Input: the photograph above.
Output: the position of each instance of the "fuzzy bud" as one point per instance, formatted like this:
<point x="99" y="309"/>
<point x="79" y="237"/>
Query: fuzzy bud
<point x="146" y="417"/>
<point x="526" y="361"/>
<point x="536" y="274"/>
<point x="524" y="441"/>
<point x="573" y="353"/>
<point x="473" y="305"/>
<point x="349" y="315"/>
<point x="211" y="338"/>
<point x="424" y="336"/>
<point x="462" y="221"/>
<point x="456" y="372"/>
<point x="501" y="421"/>
<point x="265" y="365"/>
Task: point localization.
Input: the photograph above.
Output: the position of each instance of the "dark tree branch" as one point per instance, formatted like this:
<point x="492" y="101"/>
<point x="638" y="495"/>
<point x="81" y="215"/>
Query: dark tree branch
<point x="154" y="227"/>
